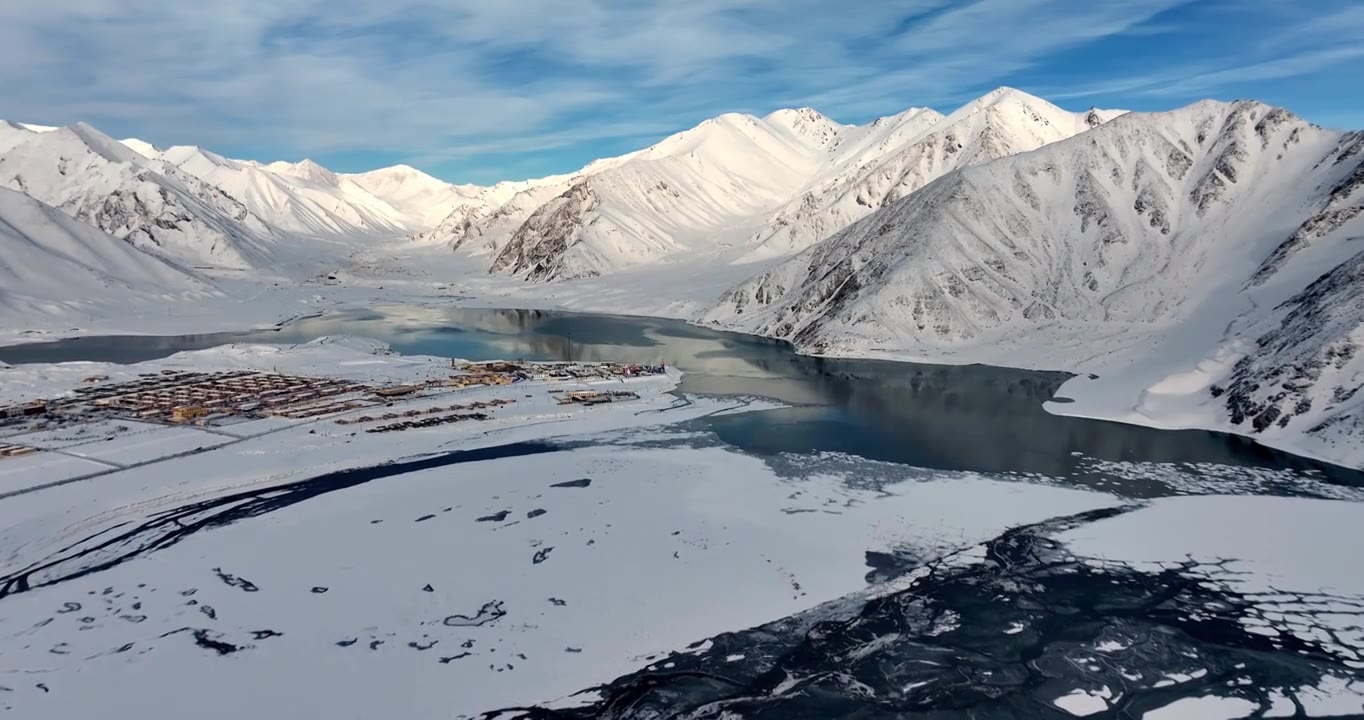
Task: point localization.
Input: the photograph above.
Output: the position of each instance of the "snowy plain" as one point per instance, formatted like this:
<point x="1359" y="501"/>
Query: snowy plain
<point x="528" y="582"/>
<point x="507" y="580"/>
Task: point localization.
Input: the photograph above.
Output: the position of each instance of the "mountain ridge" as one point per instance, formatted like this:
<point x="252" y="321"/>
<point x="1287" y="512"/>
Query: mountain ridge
<point x="1150" y="230"/>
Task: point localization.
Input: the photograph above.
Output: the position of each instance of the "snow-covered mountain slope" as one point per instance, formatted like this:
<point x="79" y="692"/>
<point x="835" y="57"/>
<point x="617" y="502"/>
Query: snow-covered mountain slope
<point x="483" y="219"/>
<point x="98" y="180"/>
<point x="483" y="227"/>
<point x="896" y="156"/>
<point x="281" y="198"/>
<point x="778" y="184"/>
<point x="142" y="147"/>
<point x="1217" y="232"/>
<point x="12" y="135"/>
<point x="424" y="199"/>
<point x="303" y="198"/>
<point x="692" y="191"/>
<point x="49" y="259"/>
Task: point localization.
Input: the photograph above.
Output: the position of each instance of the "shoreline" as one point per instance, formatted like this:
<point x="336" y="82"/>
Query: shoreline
<point x="1062" y="404"/>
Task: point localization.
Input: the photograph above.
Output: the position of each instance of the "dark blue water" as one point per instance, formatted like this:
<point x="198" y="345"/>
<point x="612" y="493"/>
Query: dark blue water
<point x="970" y="417"/>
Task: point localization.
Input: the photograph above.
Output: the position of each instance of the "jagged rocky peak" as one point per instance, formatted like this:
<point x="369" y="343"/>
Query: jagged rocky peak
<point x="903" y="153"/>
<point x="808" y="124"/>
<point x="194" y="158"/>
<point x="154" y="205"/>
<point x="402" y="170"/>
<point x="888" y="120"/>
<point x="801" y="118"/>
<point x="1309" y="367"/>
<point x="401" y="175"/>
<point x="1005" y="97"/>
<point x="306" y="169"/>
<point x="539" y="249"/>
<point x="462" y="225"/>
<point x="1102" y="226"/>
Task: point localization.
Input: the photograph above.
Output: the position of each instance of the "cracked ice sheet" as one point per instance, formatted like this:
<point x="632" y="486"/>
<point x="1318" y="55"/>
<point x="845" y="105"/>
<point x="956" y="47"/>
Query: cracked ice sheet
<point x="663" y="548"/>
<point x="1297" y="559"/>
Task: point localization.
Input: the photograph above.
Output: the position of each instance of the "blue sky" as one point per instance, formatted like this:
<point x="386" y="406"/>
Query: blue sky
<point x="483" y="90"/>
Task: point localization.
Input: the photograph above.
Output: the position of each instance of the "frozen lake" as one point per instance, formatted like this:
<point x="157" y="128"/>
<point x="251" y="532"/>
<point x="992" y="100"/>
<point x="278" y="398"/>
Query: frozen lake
<point x="972" y="417"/>
<point x="892" y="539"/>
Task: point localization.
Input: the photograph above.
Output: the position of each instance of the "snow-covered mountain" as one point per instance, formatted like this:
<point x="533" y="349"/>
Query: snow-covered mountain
<point x="775" y="184"/>
<point x="893" y="157"/>
<point x="98" y="180"/>
<point x="484" y="226"/>
<point x="48" y="259"/>
<point x="12" y="135"/>
<point x="142" y="147"/>
<point x="425" y="200"/>
<point x="1220" y="232"/>
<point x="300" y="197"/>
<point x="205" y="209"/>
<point x="691" y="191"/>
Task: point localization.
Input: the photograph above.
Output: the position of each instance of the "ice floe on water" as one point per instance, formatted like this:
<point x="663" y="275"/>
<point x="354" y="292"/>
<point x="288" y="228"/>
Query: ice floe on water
<point x="1291" y="559"/>
<point x="1207" y="707"/>
<point x="1140" y="608"/>
<point x="1215" y="479"/>
<point x="1083" y="703"/>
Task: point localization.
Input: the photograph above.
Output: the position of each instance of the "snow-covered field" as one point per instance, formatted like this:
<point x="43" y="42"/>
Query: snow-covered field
<point x="456" y="570"/>
<point x="485" y="583"/>
<point x="419" y="595"/>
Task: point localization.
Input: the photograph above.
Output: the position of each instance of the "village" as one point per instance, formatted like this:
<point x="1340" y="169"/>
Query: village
<point x="239" y="404"/>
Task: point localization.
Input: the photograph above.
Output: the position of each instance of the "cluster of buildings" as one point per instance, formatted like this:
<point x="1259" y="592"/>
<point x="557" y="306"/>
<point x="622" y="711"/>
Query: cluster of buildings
<point x="506" y="372"/>
<point x="199" y="397"/>
<point x="477" y="405"/>
<point x="427" y="422"/>
<point x="28" y="409"/>
<point x="10" y="451"/>
<point x="595" y="397"/>
<point x="212" y="398"/>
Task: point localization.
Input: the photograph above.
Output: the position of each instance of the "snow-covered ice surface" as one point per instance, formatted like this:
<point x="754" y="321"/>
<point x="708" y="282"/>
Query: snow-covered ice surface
<point x="1290" y="560"/>
<point x="535" y="591"/>
<point x="461" y="569"/>
<point x="1143" y="610"/>
<point x="1285" y="554"/>
<point x="469" y="569"/>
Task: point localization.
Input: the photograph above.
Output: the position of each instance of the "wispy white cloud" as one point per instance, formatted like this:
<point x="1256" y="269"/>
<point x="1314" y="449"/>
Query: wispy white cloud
<point x="1295" y="45"/>
<point x="454" y="79"/>
<point x="1284" y="67"/>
